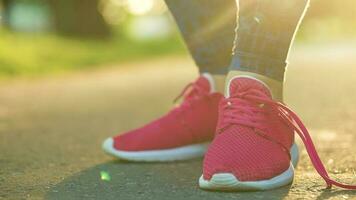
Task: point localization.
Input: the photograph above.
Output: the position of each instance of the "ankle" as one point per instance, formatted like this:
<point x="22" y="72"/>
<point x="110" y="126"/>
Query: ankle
<point x="276" y="87"/>
<point x="217" y="82"/>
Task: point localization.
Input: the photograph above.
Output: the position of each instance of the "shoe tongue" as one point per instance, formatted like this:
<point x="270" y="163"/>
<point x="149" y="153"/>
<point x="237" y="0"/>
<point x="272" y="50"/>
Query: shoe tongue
<point x="244" y="84"/>
<point x="203" y="83"/>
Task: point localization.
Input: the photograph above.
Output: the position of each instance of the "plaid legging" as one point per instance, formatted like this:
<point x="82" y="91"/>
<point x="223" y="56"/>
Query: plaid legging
<point x="258" y="42"/>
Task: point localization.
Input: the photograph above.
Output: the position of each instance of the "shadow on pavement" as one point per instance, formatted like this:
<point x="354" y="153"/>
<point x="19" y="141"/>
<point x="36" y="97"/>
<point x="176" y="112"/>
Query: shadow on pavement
<point x="126" y="180"/>
<point x="332" y="194"/>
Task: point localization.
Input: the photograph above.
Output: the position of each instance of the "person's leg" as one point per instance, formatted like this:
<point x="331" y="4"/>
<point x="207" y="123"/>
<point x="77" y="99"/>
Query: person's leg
<point x="266" y="30"/>
<point x="207" y="27"/>
<point x="254" y="145"/>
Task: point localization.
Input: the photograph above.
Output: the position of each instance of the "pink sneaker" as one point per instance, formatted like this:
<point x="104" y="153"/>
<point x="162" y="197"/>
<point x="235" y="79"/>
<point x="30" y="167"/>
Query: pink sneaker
<point x="183" y="133"/>
<point x="254" y="145"/>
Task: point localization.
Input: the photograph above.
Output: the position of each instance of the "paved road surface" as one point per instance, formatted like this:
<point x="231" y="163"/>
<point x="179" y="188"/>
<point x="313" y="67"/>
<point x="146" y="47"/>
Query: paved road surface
<point x="51" y="130"/>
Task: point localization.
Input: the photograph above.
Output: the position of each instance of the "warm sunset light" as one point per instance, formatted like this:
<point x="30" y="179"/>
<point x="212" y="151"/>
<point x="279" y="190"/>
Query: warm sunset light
<point x="177" y="99"/>
<point x="140" y="7"/>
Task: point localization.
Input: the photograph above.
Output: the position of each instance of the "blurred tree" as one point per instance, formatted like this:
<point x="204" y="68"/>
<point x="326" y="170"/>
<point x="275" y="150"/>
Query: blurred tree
<point x="78" y="18"/>
<point x="6" y="12"/>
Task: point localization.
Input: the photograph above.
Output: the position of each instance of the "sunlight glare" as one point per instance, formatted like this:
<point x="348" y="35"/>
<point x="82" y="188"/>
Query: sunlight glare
<point x="140" y="7"/>
<point x="105" y="176"/>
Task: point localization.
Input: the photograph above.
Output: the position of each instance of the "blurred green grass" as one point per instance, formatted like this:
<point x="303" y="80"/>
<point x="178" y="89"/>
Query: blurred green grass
<point x="38" y="54"/>
<point x="33" y="55"/>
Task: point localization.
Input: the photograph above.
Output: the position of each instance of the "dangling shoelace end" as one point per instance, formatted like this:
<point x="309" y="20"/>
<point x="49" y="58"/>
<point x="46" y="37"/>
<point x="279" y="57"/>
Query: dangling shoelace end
<point x="293" y="121"/>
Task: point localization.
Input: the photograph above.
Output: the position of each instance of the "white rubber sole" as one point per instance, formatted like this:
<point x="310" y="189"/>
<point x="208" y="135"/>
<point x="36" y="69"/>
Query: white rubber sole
<point x="175" y="154"/>
<point x="228" y="182"/>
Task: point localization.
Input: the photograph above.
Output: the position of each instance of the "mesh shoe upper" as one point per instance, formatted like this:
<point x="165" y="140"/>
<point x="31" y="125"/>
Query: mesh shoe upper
<point x="254" y="135"/>
<point x="193" y="121"/>
<point x="251" y="141"/>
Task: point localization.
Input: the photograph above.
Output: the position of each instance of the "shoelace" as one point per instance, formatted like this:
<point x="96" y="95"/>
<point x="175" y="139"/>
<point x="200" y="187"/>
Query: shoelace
<point x="190" y="91"/>
<point x="238" y="111"/>
<point x="238" y="104"/>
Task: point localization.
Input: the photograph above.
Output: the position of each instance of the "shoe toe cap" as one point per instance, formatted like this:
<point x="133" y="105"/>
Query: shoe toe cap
<point x="108" y="145"/>
<point x="246" y="161"/>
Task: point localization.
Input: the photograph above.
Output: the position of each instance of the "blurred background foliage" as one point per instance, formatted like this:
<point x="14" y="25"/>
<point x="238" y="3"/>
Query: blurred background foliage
<point x="49" y="36"/>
